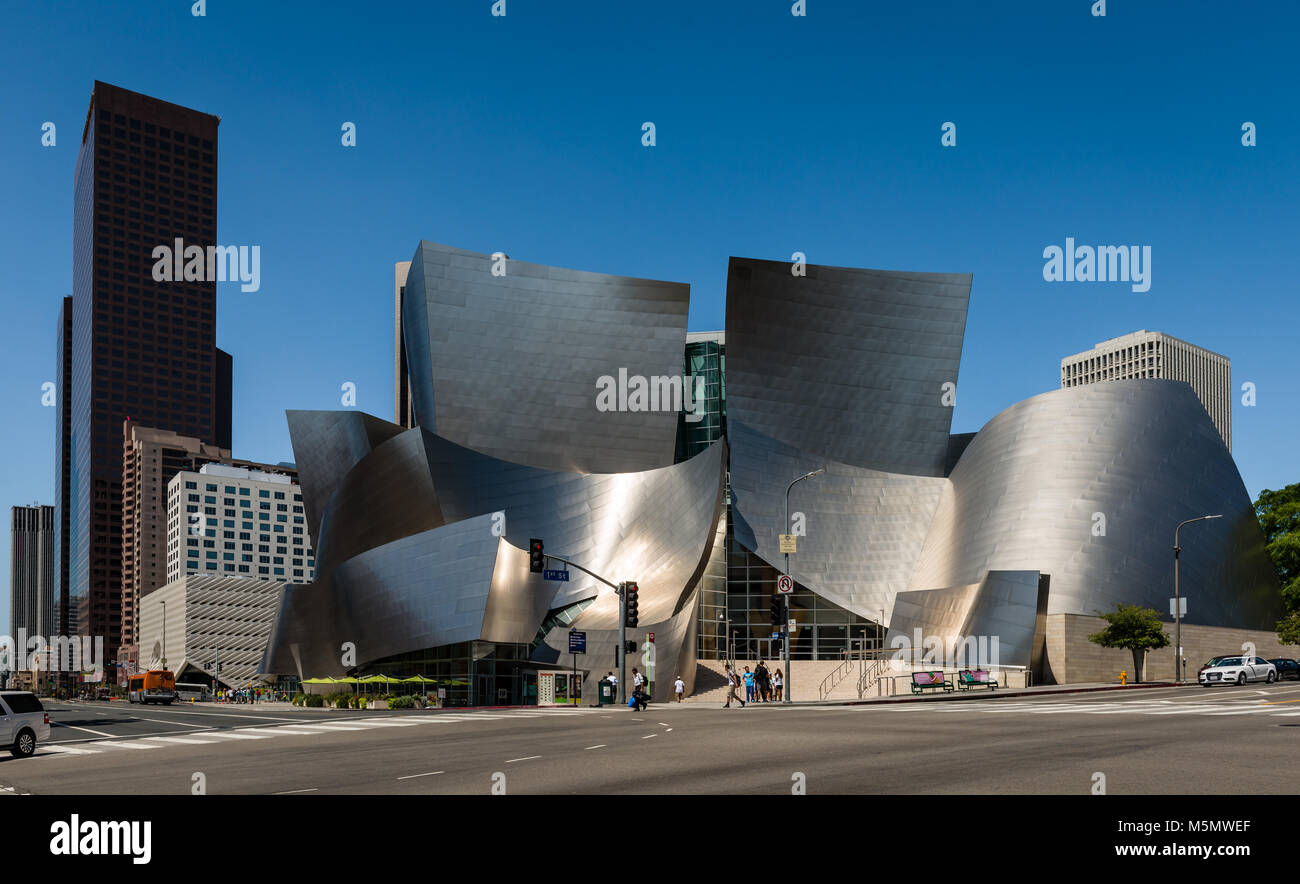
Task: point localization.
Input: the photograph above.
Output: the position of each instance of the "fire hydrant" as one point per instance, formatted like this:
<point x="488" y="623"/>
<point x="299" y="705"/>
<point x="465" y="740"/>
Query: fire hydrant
<point x="1123" y="676"/>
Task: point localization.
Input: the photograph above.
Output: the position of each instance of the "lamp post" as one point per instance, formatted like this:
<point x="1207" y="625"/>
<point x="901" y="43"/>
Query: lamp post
<point x="817" y="472"/>
<point x="164" y="636"/>
<point x="1178" y="607"/>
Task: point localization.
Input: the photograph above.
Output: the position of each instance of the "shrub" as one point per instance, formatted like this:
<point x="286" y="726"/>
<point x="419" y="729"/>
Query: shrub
<point x="298" y="698"/>
<point x="341" y="703"/>
<point x="315" y="701"/>
<point x="359" y="702"/>
<point x="401" y="703"/>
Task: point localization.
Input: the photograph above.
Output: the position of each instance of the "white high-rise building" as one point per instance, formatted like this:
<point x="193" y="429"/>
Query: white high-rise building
<point x="1148" y="354"/>
<point x="236" y="522"/>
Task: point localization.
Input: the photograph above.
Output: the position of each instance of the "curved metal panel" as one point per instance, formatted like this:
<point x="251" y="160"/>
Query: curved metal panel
<point x="1142" y="455"/>
<point x="408" y="556"/>
<point x="865" y="528"/>
<point x="508" y="364"/>
<point x="326" y="444"/>
<point x="846" y="363"/>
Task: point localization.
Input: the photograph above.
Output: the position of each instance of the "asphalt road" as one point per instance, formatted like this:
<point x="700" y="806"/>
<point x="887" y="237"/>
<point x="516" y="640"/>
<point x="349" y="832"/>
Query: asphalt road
<point x="1160" y="741"/>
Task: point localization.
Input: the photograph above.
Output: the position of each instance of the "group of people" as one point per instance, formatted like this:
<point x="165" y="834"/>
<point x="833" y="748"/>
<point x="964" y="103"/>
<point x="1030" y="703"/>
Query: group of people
<point x="249" y="695"/>
<point x="760" y="685"/>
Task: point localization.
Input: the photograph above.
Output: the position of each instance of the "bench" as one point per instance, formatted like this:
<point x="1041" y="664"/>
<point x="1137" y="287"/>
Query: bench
<point x="971" y="678"/>
<point x="923" y="680"/>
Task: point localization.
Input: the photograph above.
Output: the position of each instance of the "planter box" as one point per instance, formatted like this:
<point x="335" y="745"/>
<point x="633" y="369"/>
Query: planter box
<point x="377" y="704"/>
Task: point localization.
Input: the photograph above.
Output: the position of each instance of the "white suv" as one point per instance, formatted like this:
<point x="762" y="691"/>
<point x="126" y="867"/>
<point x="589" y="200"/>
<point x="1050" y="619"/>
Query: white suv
<point x="1236" y="670"/>
<point x="23" y="722"/>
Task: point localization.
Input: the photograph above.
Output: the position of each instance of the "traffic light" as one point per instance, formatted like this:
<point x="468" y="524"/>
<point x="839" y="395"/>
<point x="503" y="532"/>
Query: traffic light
<point x="631" y="605"/>
<point x="536" y="561"/>
<point x="777" y="611"/>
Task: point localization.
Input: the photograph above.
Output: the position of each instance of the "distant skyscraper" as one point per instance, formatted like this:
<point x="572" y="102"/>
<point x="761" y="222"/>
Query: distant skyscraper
<point x="64" y="620"/>
<point x="31" y="571"/>
<point x="1147" y="354"/>
<point x="146" y="176"/>
<point x="403" y="412"/>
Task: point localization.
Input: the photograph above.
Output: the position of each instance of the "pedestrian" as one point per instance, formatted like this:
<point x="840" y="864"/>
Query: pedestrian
<point x="679" y="687"/>
<point x="733" y="682"/>
<point x="749" y="685"/>
<point x="612" y="679"/>
<point x="761" y="677"/>
<point x="637" y="680"/>
<point x="777" y="684"/>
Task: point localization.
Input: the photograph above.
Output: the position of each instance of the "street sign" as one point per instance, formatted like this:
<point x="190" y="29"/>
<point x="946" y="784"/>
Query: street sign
<point x="577" y="642"/>
<point x="549" y="574"/>
<point x="789" y="543"/>
<point x="1182" y="606"/>
<point x="784" y="584"/>
<point x="792" y="624"/>
<point x="650" y="636"/>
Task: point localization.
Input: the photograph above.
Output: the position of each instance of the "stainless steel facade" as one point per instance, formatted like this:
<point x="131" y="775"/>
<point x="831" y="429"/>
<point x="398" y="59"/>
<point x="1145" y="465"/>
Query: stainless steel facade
<point x="507" y="362"/>
<point x="420" y="533"/>
<point x="408" y="556"/>
<point x="1043" y="479"/>
<point x="845" y="363"/>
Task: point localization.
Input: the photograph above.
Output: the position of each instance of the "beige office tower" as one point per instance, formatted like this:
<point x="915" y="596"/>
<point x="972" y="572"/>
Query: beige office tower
<point x="403" y="414"/>
<point x="1148" y="354"/>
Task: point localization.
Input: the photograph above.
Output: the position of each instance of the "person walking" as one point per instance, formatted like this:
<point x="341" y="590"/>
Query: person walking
<point x="733" y="682"/>
<point x="778" y="684"/>
<point x="679" y="687"/>
<point x="749" y="686"/>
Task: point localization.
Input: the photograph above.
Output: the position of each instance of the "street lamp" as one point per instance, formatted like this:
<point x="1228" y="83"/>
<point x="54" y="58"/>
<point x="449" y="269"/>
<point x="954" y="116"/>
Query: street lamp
<point x="1178" y="608"/>
<point x="164" y="636"/>
<point x="817" y="472"/>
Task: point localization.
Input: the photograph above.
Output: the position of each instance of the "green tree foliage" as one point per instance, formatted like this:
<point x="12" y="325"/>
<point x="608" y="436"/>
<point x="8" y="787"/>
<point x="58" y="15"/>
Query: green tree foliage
<point x="1279" y="516"/>
<point x="1138" y="629"/>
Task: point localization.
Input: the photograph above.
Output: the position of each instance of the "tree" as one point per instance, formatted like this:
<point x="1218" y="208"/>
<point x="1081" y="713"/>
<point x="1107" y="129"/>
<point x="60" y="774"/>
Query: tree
<point x="1279" y="517"/>
<point x="1138" y="629"/>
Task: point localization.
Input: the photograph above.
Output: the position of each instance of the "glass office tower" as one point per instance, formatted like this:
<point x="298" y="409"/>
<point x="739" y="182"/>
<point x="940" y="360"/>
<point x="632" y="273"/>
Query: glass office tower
<point x="146" y="176"/>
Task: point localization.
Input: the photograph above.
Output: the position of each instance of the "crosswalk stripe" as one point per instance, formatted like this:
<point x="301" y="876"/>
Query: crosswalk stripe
<point x="187" y="740"/>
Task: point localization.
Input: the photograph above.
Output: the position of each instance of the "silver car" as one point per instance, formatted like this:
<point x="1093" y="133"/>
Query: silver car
<point x="23" y="722"/>
<point x="1236" y="670"/>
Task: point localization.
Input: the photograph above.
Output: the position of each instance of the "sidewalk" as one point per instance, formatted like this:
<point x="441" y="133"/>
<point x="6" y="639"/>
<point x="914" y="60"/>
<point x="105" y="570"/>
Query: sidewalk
<point x="955" y="695"/>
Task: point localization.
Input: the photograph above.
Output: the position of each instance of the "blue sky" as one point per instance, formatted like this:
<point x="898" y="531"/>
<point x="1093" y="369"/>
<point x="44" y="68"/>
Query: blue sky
<point x="775" y="134"/>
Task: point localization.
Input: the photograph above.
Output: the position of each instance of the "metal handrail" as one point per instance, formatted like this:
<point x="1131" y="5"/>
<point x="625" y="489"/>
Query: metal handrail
<point x="823" y="691"/>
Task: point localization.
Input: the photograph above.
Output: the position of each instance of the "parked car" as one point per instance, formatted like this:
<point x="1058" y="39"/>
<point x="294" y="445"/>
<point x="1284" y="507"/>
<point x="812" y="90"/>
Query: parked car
<point x="1286" y="668"/>
<point x="1236" y="670"/>
<point x="23" y="722"/>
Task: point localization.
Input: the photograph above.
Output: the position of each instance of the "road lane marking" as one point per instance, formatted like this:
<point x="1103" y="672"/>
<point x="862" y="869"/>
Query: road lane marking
<point x="648" y="736"/>
<point x="601" y="746"/>
<point x="86" y="729"/>
<point x="234" y="736"/>
<point x="432" y="773"/>
<point x="296" y="791"/>
<point x="174" y="723"/>
<point x="525" y="758"/>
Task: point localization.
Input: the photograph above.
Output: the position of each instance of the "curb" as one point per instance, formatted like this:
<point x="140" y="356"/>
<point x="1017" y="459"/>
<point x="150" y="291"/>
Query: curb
<point x="948" y="698"/>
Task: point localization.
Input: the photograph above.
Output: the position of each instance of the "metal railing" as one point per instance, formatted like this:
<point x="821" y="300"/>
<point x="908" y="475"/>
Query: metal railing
<point x="836" y="675"/>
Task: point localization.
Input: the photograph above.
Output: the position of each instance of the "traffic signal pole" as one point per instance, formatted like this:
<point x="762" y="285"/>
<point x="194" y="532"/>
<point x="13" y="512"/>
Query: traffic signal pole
<point x="622" y="610"/>
<point x="622" y="644"/>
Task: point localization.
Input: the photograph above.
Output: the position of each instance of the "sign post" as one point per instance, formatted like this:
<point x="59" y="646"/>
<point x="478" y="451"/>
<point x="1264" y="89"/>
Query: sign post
<point x="577" y="645"/>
